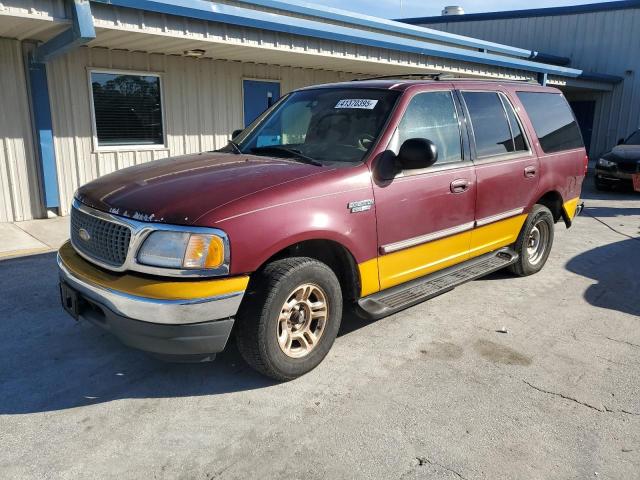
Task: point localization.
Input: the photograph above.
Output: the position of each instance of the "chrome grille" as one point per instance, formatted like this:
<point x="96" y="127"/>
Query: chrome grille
<point x="107" y="242"/>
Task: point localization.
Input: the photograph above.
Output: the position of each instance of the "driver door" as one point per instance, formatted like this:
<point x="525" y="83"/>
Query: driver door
<point x="425" y="217"/>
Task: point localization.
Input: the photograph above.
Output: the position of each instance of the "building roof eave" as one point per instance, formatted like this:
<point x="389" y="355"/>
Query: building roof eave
<point x="207" y="10"/>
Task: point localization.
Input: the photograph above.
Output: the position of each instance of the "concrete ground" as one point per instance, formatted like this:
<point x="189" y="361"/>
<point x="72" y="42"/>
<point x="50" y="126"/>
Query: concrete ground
<point x="32" y="236"/>
<point x="432" y="392"/>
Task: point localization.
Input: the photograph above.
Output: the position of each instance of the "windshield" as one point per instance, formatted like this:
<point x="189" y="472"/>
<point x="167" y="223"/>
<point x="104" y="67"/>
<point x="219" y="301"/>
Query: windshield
<point x="634" y="139"/>
<point x="323" y="125"/>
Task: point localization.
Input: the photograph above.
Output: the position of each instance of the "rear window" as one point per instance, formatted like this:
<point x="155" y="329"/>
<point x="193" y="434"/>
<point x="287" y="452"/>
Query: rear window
<point x="552" y="120"/>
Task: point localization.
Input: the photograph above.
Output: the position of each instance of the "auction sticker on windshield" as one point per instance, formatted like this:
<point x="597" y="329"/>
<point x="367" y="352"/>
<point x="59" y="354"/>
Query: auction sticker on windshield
<point x="362" y="103"/>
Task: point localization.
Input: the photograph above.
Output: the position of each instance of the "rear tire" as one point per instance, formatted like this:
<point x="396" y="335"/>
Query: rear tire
<point x="534" y="242"/>
<point x="289" y="317"/>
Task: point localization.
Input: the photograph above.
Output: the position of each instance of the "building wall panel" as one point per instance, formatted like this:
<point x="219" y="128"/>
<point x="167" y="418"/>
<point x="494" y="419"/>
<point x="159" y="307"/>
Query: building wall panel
<point x="19" y="184"/>
<point x="202" y="106"/>
<point x="604" y="42"/>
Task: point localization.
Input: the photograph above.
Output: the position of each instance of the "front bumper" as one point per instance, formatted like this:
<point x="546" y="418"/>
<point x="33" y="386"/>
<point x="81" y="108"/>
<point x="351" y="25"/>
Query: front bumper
<point x="613" y="176"/>
<point x="167" y="317"/>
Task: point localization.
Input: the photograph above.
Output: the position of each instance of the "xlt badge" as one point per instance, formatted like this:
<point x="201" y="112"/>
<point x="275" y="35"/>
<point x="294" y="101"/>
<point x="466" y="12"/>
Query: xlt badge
<point x="360" y="206"/>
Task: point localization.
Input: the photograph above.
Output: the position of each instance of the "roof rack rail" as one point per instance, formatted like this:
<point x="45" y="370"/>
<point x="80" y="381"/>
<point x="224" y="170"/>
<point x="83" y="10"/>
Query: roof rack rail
<point x="444" y="76"/>
<point x="431" y="76"/>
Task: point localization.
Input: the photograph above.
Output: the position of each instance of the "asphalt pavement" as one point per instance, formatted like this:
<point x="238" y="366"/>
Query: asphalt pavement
<point x="434" y="392"/>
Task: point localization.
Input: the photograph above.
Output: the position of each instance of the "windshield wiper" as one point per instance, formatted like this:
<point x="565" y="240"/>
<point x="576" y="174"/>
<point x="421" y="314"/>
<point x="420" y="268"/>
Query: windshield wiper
<point x="235" y="147"/>
<point x="293" y="153"/>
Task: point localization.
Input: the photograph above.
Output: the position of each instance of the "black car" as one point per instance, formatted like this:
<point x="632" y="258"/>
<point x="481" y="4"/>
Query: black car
<point x="619" y="165"/>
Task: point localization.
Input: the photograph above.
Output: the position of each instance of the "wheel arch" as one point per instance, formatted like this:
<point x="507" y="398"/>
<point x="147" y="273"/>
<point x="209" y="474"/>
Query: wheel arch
<point x="554" y="202"/>
<point x="333" y="254"/>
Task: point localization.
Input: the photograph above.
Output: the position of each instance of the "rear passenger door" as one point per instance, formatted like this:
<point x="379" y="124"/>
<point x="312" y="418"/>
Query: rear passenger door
<point x="506" y="169"/>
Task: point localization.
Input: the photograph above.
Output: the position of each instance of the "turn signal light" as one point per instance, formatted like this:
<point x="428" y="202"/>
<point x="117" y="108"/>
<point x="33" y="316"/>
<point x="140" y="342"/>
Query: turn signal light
<point x="204" y="251"/>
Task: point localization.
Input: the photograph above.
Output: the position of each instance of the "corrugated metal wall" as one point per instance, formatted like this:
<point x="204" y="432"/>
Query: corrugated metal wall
<point x="202" y="106"/>
<point x="604" y="42"/>
<point x="19" y="188"/>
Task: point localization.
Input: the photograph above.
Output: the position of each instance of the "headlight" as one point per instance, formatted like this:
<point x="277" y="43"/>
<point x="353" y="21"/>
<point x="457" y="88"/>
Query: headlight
<point x="182" y="250"/>
<point x="606" y="163"/>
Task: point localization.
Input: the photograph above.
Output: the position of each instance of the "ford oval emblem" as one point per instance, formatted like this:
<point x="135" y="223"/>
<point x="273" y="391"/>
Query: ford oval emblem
<point x="84" y="235"/>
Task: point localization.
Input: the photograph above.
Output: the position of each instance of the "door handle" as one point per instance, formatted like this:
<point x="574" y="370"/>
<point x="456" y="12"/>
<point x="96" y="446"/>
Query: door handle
<point x="530" y="171"/>
<point x="460" y="185"/>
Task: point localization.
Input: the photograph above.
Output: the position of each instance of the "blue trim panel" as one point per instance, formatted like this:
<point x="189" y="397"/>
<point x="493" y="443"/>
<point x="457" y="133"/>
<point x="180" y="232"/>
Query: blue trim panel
<point x="82" y="31"/>
<point x="206" y="10"/>
<point x="391" y="26"/>
<point x="532" y="12"/>
<point x="44" y="132"/>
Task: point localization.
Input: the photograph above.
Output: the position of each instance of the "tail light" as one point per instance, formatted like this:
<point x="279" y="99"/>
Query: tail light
<point x="586" y="164"/>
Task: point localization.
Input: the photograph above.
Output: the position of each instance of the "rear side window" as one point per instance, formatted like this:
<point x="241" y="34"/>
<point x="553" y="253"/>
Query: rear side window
<point x="493" y="122"/>
<point x="553" y="121"/>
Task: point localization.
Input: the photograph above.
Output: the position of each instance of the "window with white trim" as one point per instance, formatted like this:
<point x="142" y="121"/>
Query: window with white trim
<point x="127" y="109"/>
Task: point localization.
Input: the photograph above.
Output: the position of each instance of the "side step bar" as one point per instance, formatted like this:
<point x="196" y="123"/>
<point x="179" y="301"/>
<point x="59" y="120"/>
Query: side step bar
<point x="408" y="294"/>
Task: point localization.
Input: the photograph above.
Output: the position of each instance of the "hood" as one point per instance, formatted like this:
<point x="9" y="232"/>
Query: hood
<point x="625" y="152"/>
<point x="180" y="190"/>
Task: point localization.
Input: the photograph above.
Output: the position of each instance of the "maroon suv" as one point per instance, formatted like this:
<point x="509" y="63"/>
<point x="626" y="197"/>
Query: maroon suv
<point x="375" y="194"/>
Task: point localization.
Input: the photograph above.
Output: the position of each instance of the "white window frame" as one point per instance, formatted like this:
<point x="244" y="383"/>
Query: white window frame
<point x="132" y="147"/>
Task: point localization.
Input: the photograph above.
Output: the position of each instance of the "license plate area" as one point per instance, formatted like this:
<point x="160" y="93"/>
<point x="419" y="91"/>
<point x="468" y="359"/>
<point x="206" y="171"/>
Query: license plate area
<point x="70" y="300"/>
<point x="636" y="181"/>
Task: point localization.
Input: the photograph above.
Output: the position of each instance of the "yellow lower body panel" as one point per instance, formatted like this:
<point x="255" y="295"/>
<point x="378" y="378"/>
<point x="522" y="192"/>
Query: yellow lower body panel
<point x="411" y="263"/>
<point x="150" y="287"/>
<point x="415" y="262"/>
<point x="495" y="235"/>
<point x="369" y="281"/>
<point x="570" y="206"/>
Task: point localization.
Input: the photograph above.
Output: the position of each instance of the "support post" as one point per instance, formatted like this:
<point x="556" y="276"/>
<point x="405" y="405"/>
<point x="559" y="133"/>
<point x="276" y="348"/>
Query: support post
<point x="41" y="111"/>
<point x="542" y="79"/>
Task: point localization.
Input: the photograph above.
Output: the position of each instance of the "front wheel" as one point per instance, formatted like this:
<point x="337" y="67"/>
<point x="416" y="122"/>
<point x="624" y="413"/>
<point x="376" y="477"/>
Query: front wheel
<point x="289" y="318"/>
<point x="534" y="242"/>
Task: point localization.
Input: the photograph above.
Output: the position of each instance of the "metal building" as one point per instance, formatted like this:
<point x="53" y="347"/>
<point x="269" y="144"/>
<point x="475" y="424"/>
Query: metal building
<point x="202" y="68"/>
<point x="601" y="37"/>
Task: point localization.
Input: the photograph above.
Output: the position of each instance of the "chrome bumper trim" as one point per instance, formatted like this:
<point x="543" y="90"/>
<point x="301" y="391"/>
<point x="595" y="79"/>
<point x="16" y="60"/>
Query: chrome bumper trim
<point x="412" y="242"/>
<point x="152" y="310"/>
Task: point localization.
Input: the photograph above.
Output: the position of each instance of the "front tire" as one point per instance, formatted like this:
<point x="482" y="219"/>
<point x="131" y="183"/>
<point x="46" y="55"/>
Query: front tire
<point x="534" y="242"/>
<point x="289" y="318"/>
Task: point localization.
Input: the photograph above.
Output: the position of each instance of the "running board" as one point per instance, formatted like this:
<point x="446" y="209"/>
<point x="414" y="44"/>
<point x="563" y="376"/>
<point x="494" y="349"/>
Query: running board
<point x="408" y="294"/>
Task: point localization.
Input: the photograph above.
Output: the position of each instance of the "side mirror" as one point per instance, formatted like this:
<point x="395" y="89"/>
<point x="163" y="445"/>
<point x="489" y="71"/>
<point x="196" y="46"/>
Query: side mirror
<point x="417" y="153"/>
<point x="236" y="133"/>
<point x="620" y="141"/>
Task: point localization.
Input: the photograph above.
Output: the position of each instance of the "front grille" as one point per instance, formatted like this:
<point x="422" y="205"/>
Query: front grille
<point x="629" y="167"/>
<point x="106" y="241"/>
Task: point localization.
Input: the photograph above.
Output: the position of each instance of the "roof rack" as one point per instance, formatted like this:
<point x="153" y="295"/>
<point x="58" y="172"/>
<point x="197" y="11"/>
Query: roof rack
<point x="443" y="76"/>
<point x="430" y="76"/>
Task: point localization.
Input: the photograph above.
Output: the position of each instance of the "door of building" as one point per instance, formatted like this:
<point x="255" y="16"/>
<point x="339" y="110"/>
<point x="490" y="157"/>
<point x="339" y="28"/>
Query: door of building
<point x="258" y="95"/>
<point x="584" y="111"/>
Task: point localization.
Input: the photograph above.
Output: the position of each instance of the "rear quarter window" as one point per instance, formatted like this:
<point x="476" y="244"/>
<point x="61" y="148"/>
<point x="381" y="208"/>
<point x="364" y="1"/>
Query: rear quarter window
<point x="553" y="121"/>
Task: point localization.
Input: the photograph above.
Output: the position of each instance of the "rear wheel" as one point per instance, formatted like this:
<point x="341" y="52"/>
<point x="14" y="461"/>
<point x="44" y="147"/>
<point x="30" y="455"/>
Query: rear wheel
<point x="534" y="242"/>
<point x="290" y="317"/>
